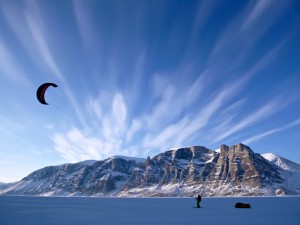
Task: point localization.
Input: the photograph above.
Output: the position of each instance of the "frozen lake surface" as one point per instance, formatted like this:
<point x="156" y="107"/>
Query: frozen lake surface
<point x="145" y="211"/>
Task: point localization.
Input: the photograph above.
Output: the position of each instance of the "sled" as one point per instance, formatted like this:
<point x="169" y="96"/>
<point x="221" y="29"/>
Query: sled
<point x="242" y="205"/>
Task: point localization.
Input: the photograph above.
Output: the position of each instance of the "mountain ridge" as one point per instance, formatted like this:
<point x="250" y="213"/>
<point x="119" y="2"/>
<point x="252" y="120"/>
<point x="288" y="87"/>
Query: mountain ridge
<point x="234" y="171"/>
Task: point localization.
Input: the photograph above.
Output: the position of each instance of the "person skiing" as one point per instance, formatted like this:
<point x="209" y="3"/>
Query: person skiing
<point x="198" y="201"/>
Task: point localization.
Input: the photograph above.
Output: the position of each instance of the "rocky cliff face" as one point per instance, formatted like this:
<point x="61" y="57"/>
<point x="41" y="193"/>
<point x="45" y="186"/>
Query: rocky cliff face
<point x="240" y="170"/>
<point x="235" y="171"/>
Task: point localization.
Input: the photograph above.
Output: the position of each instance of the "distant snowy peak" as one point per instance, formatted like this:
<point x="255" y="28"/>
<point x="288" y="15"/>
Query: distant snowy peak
<point x="127" y="158"/>
<point x="270" y="156"/>
<point x="281" y="162"/>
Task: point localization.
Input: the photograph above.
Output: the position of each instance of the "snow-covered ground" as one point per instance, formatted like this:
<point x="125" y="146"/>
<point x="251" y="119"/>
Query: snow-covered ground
<point x="147" y="211"/>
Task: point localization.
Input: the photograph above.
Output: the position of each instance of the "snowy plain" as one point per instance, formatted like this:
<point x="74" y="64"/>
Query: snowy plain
<point x="17" y="210"/>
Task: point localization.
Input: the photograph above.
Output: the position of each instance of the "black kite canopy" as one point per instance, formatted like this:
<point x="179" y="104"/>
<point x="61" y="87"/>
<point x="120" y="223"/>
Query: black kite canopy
<point x="40" y="93"/>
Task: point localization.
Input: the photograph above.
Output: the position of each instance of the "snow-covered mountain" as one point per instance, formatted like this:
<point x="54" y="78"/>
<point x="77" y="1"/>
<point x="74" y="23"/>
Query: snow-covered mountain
<point x="230" y="171"/>
<point x="291" y="172"/>
<point x="281" y="162"/>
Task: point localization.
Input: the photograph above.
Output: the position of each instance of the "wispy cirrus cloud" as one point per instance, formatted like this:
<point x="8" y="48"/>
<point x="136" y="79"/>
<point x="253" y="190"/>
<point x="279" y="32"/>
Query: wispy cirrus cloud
<point x="198" y="87"/>
<point x="115" y="123"/>
<point x="134" y="127"/>
<point x="119" y="109"/>
<point x="190" y="121"/>
<point x="253" y="118"/>
<point x="270" y="132"/>
<point x="10" y="67"/>
<point x="36" y="27"/>
<point x="85" y="27"/>
<point x="164" y="139"/>
<point x="255" y="14"/>
<point x="165" y="103"/>
<point x="203" y="117"/>
<point x="261" y="15"/>
<point x="104" y="139"/>
<point x="205" y="10"/>
<point x="15" y="20"/>
<point x="94" y="106"/>
<point x="238" y="38"/>
<point x="74" y="146"/>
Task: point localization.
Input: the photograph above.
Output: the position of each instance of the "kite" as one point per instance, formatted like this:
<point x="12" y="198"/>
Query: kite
<point x="40" y="93"/>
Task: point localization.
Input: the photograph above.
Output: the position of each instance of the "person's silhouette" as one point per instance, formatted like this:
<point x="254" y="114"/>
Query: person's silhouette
<point x="198" y="201"/>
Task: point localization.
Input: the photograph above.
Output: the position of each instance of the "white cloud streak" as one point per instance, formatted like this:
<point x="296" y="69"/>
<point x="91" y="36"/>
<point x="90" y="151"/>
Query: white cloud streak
<point x="262" y="113"/>
<point x="201" y="119"/>
<point x="76" y="145"/>
<point x="10" y="67"/>
<point x="111" y="126"/>
<point x="34" y="23"/>
<point x="197" y="87"/>
<point x="119" y="108"/>
<point x="167" y="99"/>
<point x="95" y="108"/>
<point x="84" y="24"/>
<point x="16" y="21"/>
<point x="176" y="133"/>
<point x="257" y="12"/>
<point x="268" y="133"/>
<point x="245" y="31"/>
<point x="135" y="126"/>
<point x="165" y="138"/>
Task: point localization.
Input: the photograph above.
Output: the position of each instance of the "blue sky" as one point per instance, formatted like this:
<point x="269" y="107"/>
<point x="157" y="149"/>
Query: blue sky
<point x="138" y="77"/>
